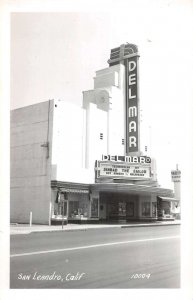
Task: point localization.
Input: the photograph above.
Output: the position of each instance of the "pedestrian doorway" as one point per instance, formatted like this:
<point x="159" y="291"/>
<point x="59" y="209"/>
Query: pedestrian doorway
<point x="118" y="207"/>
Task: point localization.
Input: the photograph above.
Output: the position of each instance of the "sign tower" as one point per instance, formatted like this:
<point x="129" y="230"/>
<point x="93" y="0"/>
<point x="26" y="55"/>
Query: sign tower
<point x="127" y="54"/>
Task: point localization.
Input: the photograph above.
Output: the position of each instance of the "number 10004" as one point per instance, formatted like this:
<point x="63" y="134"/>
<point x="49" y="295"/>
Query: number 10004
<point x="137" y="276"/>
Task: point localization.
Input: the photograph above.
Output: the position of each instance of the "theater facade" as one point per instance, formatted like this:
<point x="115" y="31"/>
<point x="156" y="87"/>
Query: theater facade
<point x="85" y="164"/>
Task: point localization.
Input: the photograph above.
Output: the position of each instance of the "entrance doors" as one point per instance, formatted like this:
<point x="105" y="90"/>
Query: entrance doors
<point x="122" y="209"/>
<point x="129" y="209"/>
<point x="118" y="206"/>
<point x="102" y="211"/>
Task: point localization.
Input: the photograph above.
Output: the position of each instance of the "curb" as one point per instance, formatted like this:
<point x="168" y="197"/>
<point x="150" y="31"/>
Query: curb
<point x="150" y="225"/>
<point x="93" y="228"/>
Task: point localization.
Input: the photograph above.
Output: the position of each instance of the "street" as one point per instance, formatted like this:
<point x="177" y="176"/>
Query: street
<point x="143" y="257"/>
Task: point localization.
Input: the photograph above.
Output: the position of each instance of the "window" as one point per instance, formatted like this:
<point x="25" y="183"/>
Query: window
<point x="122" y="208"/>
<point x="73" y="208"/>
<point x="77" y="208"/>
<point x="145" y="209"/>
<point x="166" y="207"/>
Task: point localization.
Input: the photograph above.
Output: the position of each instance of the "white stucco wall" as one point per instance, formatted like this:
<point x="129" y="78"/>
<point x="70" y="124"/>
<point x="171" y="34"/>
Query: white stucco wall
<point x="68" y="146"/>
<point x="106" y="117"/>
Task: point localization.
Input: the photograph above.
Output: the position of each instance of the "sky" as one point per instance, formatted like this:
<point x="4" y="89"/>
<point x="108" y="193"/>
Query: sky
<point x="54" y="55"/>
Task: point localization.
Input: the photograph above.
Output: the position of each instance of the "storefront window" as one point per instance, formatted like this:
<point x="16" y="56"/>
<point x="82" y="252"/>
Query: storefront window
<point x="166" y="207"/>
<point x="77" y="209"/>
<point x="76" y="204"/>
<point x="122" y="208"/>
<point x="94" y="208"/>
<point x="145" y="209"/>
<point x="73" y="208"/>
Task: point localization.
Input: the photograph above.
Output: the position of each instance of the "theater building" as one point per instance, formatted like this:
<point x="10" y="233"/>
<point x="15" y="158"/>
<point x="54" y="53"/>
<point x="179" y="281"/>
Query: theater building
<point x="85" y="164"/>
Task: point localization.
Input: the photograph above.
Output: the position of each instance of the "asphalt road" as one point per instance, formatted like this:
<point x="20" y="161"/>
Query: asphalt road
<point x="144" y="257"/>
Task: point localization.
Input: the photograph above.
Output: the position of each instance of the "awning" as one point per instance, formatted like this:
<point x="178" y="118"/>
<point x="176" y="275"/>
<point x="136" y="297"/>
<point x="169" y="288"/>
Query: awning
<point x="131" y="188"/>
<point x="169" y="199"/>
<point x="74" y="191"/>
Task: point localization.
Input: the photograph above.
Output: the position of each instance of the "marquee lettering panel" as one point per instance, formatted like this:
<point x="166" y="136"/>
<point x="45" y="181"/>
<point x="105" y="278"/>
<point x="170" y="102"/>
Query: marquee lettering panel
<point x="130" y="171"/>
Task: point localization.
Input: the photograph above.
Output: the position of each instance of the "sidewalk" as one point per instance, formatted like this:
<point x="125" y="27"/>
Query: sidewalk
<point x="26" y="229"/>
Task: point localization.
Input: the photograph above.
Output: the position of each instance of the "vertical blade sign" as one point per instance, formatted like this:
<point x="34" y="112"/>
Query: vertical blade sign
<point x="132" y="105"/>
